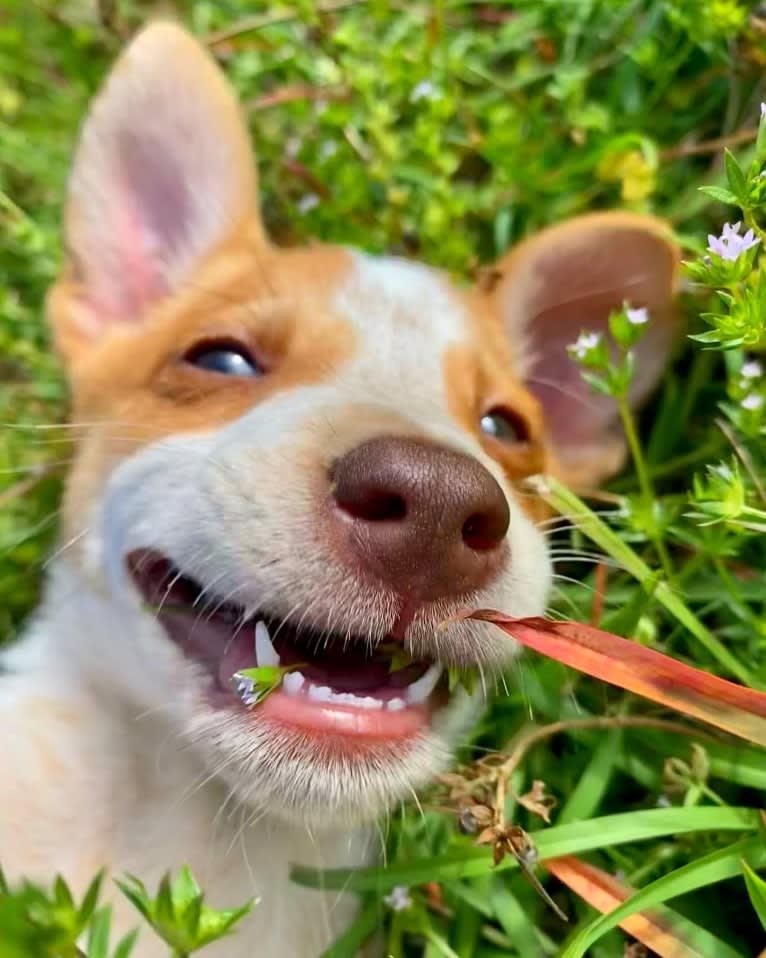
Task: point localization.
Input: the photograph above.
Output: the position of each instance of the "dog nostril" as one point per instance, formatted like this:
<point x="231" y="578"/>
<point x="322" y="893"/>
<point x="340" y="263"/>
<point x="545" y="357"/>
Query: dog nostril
<point x="374" y="505"/>
<point x="484" y="531"/>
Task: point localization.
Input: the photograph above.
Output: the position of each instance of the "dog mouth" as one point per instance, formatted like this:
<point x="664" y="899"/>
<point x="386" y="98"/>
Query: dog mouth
<point x="324" y="681"/>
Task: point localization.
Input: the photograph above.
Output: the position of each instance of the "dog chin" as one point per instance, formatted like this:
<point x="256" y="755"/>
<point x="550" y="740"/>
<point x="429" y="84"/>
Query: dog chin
<point x="328" y="784"/>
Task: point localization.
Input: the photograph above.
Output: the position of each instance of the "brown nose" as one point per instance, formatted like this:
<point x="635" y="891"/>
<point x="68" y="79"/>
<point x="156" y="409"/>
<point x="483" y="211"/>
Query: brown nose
<point x="428" y="521"/>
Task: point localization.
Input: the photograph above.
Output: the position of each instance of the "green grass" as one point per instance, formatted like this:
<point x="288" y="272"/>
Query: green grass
<point x="537" y="110"/>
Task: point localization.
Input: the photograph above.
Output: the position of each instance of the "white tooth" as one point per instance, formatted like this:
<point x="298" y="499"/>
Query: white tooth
<point x="265" y="653"/>
<point x="419" y="691"/>
<point x="395" y="705"/>
<point x="320" y="693"/>
<point x="293" y="682"/>
<point x="340" y="698"/>
<point x="368" y="702"/>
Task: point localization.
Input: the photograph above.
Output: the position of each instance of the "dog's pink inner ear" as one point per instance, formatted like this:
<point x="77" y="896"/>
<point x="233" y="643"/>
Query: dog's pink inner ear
<point x="567" y="280"/>
<point x="163" y="173"/>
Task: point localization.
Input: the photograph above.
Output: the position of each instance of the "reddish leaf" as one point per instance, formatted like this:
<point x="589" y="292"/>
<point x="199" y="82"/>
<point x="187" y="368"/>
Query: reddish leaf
<point x="629" y="665"/>
<point x="604" y="893"/>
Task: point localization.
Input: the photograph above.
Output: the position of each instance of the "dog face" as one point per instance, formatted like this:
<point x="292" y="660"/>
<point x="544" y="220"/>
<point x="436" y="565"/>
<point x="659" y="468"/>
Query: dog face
<point x="311" y="456"/>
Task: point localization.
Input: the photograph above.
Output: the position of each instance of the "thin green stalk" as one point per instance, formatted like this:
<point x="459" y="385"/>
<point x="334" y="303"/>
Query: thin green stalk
<point x="568" y="504"/>
<point x="645" y="484"/>
<point x="750" y="221"/>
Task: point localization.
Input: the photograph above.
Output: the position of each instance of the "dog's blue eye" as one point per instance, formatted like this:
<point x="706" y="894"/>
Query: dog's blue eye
<point x="505" y="426"/>
<point x="226" y="359"/>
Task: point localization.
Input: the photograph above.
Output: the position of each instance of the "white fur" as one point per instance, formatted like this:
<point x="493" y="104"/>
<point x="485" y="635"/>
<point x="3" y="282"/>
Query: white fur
<point x="114" y="753"/>
<point x="172" y="779"/>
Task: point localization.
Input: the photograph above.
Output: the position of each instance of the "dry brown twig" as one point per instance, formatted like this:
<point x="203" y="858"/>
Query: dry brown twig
<point x="709" y="146"/>
<point x="261" y="21"/>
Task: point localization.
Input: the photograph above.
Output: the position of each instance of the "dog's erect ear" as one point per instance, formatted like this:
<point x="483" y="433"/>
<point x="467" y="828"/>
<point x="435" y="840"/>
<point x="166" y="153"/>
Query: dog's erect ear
<point x="163" y="173"/>
<point x="565" y="280"/>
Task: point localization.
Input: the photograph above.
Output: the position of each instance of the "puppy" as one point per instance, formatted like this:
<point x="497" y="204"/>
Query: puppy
<point x="307" y="457"/>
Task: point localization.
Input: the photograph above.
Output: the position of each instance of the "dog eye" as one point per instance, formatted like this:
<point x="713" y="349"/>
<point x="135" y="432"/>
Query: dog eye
<point x="505" y="426"/>
<point x="226" y="359"/>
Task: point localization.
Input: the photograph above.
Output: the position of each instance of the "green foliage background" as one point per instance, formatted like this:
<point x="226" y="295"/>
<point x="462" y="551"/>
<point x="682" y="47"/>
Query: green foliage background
<point x="445" y="130"/>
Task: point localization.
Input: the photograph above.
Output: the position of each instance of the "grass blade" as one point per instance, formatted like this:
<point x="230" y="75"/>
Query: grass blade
<point x="363" y="927"/>
<point x="572" y="839"/>
<point x="718" y="866"/>
<point x="664" y="932"/>
<point x="568" y="504"/>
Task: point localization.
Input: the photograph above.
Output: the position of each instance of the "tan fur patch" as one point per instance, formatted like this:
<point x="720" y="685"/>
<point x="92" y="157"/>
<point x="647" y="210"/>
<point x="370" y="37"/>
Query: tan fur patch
<point x="132" y="387"/>
<point x="479" y="377"/>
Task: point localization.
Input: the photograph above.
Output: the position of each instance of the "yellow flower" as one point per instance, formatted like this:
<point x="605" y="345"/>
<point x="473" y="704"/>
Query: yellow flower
<point x="632" y="170"/>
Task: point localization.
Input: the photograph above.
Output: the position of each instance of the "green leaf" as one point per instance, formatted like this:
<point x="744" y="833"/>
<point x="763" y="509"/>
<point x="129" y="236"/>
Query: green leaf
<point x="361" y="929"/>
<point x="719" y="193"/>
<point x="583" y="801"/>
<point x="133" y="889"/>
<point x="597" y="383"/>
<point x="756" y="889"/>
<point x="571" y="839"/>
<point x="264" y="674"/>
<point x="99" y="932"/>
<point x="216" y="924"/>
<point x="736" y="177"/>
<point x="760" y="142"/>
<point x="191" y="915"/>
<point x="164" y="906"/>
<point x="570" y="505"/>
<point x="61" y="893"/>
<point x="125" y="947"/>
<point x="185" y="888"/>
<point x="512" y="917"/>
<point x="708" y="870"/>
<point x="91" y="898"/>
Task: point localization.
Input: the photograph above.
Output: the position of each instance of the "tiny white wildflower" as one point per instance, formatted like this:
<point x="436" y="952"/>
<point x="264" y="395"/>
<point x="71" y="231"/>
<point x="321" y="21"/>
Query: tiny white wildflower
<point x="753" y="401"/>
<point x="585" y="342"/>
<point x="399" y="898"/>
<point x="723" y="471"/>
<point x="424" y="90"/>
<point x="663" y="802"/>
<point x="730" y="245"/>
<point x="293" y="147"/>
<point x="752" y="369"/>
<point x="308" y="202"/>
<point x="327" y="149"/>
<point x="763" y="111"/>
<point x="637" y="317"/>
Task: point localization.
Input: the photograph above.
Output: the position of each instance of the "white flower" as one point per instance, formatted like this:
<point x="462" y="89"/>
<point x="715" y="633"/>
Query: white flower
<point x="763" y="111"/>
<point x="637" y="317"/>
<point x="585" y="342"/>
<point x="308" y="202"/>
<point x="752" y="370"/>
<point x="425" y="90"/>
<point x="729" y="245"/>
<point x="753" y="401"/>
<point x="399" y="898"/>
<point x="327" y="149"/>
<point x="245" y="689"/>
<point x="293" y="147"/>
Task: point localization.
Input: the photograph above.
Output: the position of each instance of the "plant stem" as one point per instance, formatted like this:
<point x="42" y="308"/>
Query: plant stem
<point x="527" y="739"/>
<point x="565" y="502"/>
<point x="750" y="221"/>
<point x="645" y="484"/>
